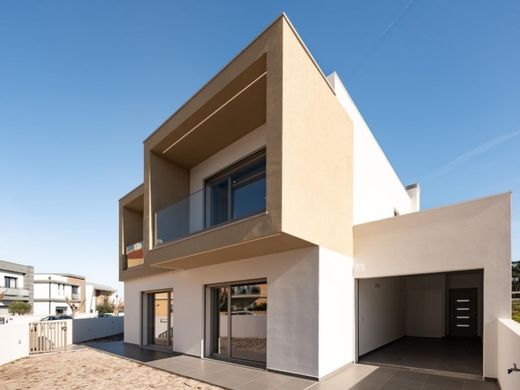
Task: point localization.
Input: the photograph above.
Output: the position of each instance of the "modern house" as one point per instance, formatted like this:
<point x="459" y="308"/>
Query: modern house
<point x="272" y="231"/>
<point x="97" y="294"/>
<point x="16" y="284"/>
<point x="52" y="291"/>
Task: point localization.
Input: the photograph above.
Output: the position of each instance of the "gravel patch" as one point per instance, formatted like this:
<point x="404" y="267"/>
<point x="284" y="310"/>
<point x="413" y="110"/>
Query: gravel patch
<point x="89" y="369"/>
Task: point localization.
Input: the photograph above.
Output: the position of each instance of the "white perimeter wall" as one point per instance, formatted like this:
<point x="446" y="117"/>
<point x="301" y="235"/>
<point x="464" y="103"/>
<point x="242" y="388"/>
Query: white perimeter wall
<point x="471" y="235"/>
<point x="377" y="188"/>
<point x="14" y="341"/>
<point x="84" y="329"/>
<point x="292" y="308"/>
<point x="508" y="353"/>
<point x="336" y="311"/>
<point x="382" y="312"/>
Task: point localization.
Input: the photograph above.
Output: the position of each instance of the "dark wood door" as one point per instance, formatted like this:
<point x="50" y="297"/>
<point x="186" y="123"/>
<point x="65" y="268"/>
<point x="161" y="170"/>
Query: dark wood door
<point x="463" y="312"/>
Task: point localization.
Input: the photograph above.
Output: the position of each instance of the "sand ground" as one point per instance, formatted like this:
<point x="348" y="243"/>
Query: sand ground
<point x="89" y="369"/>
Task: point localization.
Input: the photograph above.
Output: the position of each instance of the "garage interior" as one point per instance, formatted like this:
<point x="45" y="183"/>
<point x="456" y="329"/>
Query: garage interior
<point x="426" y="321"/>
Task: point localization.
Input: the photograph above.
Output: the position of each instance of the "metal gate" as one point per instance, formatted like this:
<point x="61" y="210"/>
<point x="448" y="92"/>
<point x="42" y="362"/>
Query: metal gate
<point x="47" y="336"/>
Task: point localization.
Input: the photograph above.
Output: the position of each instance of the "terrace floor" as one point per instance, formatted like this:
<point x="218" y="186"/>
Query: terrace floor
<point x="231" y="376"/>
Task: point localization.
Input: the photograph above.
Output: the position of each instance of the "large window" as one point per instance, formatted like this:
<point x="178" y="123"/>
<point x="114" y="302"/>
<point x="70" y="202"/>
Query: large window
<point x="236" y="321"/>
<point x="237" y="192"/>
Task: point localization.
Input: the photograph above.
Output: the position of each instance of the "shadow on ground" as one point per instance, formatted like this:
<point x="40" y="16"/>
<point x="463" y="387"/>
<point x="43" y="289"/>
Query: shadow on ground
<point x="116" y="346"/>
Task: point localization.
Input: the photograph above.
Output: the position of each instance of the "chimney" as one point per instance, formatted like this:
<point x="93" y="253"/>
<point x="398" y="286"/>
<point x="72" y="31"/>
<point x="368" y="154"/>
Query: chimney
<point x="414" y="192"/>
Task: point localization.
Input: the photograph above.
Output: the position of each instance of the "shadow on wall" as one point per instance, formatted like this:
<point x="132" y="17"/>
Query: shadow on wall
<point x="84" y="329"/>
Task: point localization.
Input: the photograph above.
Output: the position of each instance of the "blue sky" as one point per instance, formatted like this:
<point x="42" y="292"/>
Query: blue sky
<point x="83" y="83"/>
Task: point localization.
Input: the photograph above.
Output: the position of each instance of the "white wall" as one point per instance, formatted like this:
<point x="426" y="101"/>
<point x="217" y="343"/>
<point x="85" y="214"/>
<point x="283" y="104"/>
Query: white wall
<point x="471" y="235"/>
<point x="42" y="308"/>
<point x="426" y="305"/>
<point x="14" y="339"/>
<point x="382" y="312"/>
<point x="85" y="329"/>
<point x="292" y="308"/>
<point x="336" y="311"/>
<point x="59" y="290"/>
<point x="377" y="188"/>
<point x="508" y="353"/>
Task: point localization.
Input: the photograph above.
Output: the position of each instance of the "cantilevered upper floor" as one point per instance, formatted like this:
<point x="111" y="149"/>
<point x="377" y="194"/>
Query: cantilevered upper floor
<point x="259" y="160"/>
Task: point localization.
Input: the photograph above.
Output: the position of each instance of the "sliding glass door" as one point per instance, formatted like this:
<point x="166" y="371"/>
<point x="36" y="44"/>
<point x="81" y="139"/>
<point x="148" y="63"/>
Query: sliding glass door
<point x="158" y="317"/>
<point x="238" y="321"/>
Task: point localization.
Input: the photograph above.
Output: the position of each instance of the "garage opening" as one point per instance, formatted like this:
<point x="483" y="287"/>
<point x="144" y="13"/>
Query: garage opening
<point x="425" y="321"/>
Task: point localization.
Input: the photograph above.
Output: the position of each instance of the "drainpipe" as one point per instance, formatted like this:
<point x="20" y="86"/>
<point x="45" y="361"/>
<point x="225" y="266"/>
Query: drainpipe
<point x="49" y="295"/>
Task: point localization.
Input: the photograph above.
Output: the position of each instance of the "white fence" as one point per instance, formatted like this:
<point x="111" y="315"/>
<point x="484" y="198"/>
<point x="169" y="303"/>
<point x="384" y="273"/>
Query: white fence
<point x="15" y="335"/>
<point x="508" y="349"/>
<point x="48" y="336"/>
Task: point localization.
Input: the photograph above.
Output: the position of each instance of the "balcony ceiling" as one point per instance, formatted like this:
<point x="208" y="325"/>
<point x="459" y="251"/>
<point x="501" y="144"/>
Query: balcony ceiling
<point x="136" y="204"/>
<point x="233" y="112"/>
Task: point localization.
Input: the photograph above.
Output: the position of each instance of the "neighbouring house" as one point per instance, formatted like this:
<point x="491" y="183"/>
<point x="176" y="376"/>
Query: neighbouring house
<point x="52" y="291"/>
<point x="272" y="231"/>
<point x="16" y="284"/>
<point x="97" y="294"/>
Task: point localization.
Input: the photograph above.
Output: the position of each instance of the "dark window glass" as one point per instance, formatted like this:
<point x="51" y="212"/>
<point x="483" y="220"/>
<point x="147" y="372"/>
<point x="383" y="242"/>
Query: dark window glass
<point x="249" y="198"/>
<point x="219" y="202"/>
<point x="237" y="192"/>
<point x="10" y="282"/>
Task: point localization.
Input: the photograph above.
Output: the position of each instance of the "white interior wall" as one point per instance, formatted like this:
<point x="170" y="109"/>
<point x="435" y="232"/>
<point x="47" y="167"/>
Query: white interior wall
<point x="336" y="311"/>
<point x="382" y="312"/>
<point x="426" y="305"/>
<point x="377" y="188"/>
<point x="292" y="309"/>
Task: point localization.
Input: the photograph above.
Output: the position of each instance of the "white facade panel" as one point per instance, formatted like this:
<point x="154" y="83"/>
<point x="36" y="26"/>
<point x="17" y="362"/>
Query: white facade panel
<point x="377" y="190"/>
<point x="292" y="310"/>
<point x="337" y="337"/>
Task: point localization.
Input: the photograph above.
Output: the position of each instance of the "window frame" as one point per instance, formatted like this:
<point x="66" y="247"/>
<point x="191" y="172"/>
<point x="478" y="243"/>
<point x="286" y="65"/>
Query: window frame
<point x="8" y="279"/>
<point x="227" y="174"/>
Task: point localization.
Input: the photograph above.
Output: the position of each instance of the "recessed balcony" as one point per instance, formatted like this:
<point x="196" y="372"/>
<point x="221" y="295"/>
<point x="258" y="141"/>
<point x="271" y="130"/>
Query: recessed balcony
<point x="131" y="230"/>
<point x="233" y="194"/>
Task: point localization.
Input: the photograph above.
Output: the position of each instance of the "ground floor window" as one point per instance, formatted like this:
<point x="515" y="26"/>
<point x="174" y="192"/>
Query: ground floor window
<point x="158" y="318"/>
<point x="236" y="321"/>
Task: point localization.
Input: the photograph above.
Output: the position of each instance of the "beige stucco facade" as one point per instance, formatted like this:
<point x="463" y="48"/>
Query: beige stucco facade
<point x="330" y="200"/>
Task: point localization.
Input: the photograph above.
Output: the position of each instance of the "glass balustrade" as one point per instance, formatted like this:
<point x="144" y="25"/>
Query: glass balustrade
<point x="134" y="254"/>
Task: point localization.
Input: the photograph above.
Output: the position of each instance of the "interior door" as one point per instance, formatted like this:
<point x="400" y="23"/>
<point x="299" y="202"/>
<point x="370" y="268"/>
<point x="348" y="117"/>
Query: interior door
<point x="463" y="312"/>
